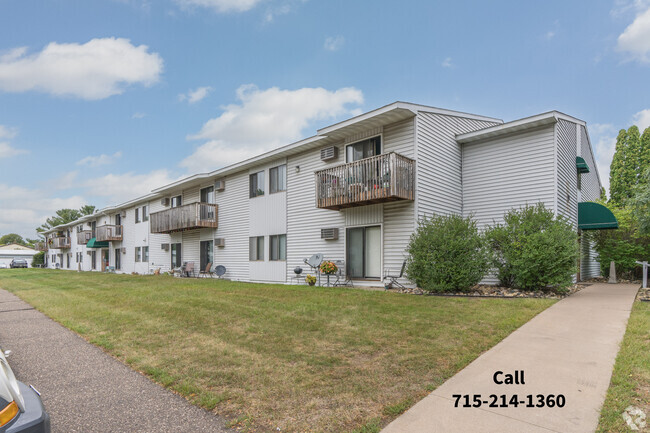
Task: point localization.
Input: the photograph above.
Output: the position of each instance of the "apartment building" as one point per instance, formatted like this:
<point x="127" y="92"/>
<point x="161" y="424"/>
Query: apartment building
<point x="353" y="192"/>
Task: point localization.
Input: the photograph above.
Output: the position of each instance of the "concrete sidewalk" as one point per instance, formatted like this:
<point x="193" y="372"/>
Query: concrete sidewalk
<point x="568" y="349"/>
<point x="84" y="389"/>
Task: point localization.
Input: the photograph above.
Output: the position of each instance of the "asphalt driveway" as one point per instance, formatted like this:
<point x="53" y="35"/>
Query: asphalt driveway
<point x="84" y="389"/>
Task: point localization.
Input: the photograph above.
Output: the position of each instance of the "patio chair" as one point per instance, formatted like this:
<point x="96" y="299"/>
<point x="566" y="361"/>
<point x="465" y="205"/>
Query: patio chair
<point x="220" y="271"/>
<point x="342" y="278"/>
<point x="394" y="277"/>
<point x="189" y="269"/>
<point x="207" y="271"/>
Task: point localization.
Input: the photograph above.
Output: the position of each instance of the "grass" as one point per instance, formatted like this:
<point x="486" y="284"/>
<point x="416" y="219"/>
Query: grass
<point x="267" y="356"/>
<point x="630" y="384"/>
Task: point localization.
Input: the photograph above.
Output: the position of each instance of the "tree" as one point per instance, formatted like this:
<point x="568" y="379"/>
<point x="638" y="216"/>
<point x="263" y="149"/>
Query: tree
<point x="13" y="238"/>
<point x="65" y="216"/>
<point x="625" y="166"/>
<point x="641" y="203"/>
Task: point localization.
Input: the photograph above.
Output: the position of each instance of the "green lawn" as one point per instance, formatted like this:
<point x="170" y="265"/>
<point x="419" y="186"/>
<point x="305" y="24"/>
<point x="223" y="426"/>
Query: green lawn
<point x="630" y="385"/>
<point x="295" y="357"/>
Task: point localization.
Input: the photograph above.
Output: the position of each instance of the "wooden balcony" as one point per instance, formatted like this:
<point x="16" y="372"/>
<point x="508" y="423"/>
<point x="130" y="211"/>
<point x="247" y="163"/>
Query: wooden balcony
<point x="109" y="233"/>
<point x="378" y="179"/>
<point x="59" y="243"/>
<point x="40" y="246"/>
<point x="188" y="217"/>
<point x="84" y="236"/>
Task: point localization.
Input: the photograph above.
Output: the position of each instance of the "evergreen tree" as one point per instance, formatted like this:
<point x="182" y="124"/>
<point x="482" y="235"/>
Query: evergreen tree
<point x="626" y="169"/>
<point x="616" y="179"/>
<point x="644" y="153"/>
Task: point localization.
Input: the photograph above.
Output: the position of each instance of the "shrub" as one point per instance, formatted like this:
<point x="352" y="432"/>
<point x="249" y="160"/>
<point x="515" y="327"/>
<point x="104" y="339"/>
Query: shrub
<point x="38" y="259"/>
<point x="533" y="249"/>
<point x="447" y="254"/>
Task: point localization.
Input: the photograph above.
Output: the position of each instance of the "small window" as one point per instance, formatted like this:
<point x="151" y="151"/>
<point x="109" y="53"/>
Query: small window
<point x="177" y="201"/>
<point x="278" y="247"/>
<point x="137" y="215"/>
<point x="278" y="179"/>
<point x="145" y="254"/>
<point x="257" y="184"/>
<point x="207" y="195"/>
<point x="363" y="149"/>
<point x="256" y="248"/>
<point x="176" y="255"/>
<point x="145" y="213"/>
<point x="138" y="254"/>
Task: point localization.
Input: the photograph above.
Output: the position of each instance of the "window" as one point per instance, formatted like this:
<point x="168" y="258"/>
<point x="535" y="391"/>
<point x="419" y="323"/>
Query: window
<point x="207" y="195"/>
<point x="177" y="201"/>
<point x="206" y="254"/>
<point x="68" y="256"/>
<point x="145" y="213"/>
<point x="76" y="257"/>
<point x="257" y="184"/>
<point x="363" y="149"/>
<point x="278" y="178"/>
<point x="138" y="254"/>
<point x="118" y="219"/>
<point x="145" y="254"/>
<point x="93" y="228"/>
<point x="363" y="252"/>
<point x="118" y="259"/>
<point x="176" y="255"/>
<point x="278" y="247"/>
<point x="137" y="215"/>
<point x="93" y="260"/>
<point x="256" y="249"/>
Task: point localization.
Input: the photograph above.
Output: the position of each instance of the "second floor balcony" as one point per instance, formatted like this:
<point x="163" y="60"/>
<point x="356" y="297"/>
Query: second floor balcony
<point x="84" y="236"/>
<point x="108" y="233"/>
<point x="40" y="246"/>
<point x="59" y="243"/>
<point x="188" y="217"/>
<point x="378" y="179"/>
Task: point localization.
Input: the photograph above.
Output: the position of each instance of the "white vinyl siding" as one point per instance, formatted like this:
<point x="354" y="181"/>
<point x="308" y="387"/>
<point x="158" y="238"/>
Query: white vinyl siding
<point x="567" y="173"/>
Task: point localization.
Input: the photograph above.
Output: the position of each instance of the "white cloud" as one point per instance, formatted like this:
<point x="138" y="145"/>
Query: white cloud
<point x="221" y="6"/>
<point x="603" y="139"/>
<point x="642" y="119"/>
<point x="118" y="188"/>
<point x="95" y="70"/>
<point x="447" y="63"/>
<point x="264" y="120"/>
<point x="550" y="34"/>
<point x="6" y="150"/>
<point x="24" y="209"/>
<point x="138" y="115"/>
<point x="334" y="43"/>
<point x="7" y="133"/>
<point x="635" y="39"/>
<point x="193" y="96"/>
<point x="103" y="159"/>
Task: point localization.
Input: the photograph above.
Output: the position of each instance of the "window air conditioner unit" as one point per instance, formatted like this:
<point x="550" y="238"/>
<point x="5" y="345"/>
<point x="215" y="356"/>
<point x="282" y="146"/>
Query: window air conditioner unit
<point x="329" y="153"/>
<point x="89" y="252"/>
<point x="164" y="247"/>
<point x="165" y="201"/>
<point x="220" y="185"/>
<point x="331" y="234"/>
<point x="123" y="214"/>
<point x="220" y="242"/>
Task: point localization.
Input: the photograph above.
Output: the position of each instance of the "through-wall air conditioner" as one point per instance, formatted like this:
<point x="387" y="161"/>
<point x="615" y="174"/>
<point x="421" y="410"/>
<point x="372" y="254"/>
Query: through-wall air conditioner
<point x="328" y="153"/>
<point x="164" y="247"/>
<point x="123" y="250"/>
<point x="331" y="234"/>
<point x="220" y="185"/>
<point x="89" y="252"/>
<point x="164" y="201"/>
<point x="220" y="242"/>
<point x="123" y="214"/>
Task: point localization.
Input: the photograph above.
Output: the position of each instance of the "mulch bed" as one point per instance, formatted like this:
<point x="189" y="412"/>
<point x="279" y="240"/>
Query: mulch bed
<point x="484" y="291"/>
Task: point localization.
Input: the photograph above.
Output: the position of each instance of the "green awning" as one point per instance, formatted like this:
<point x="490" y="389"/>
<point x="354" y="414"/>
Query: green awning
<point x="92" y="243"/>
<point x="595" y="216"/>
<point x="581" y="165"/>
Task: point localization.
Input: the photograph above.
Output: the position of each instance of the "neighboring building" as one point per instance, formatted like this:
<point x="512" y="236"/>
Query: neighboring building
<point x="353" y="192"/>
<point x="16" y="251"/>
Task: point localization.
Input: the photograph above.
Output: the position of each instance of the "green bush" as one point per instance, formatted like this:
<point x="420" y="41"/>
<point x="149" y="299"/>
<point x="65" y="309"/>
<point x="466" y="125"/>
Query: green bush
<point x="533" y="249"/>
<point x="38" y="259"/>
<point x="447" y="254"/>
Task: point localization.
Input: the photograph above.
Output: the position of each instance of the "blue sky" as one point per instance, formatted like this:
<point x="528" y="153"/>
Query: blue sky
<point x="103" y="100"/>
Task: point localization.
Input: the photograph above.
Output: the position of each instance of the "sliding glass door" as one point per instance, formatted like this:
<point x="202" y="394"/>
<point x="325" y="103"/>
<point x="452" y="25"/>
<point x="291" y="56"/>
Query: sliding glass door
<point x="364" y="252"/>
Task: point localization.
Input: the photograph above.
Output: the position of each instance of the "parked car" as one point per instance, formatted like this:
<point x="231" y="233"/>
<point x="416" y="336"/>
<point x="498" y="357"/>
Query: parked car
<point x="21" y="408"/>
<point x="18" y="263"/>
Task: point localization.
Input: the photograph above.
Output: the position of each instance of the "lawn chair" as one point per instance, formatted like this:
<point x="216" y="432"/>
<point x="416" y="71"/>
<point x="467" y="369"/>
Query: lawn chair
<point x="207" y="271"/>
<point x="342" y="278"/>
<point x="394" y="277"/>
<point x="189" y="269"/>
<point x="220" y="271"/>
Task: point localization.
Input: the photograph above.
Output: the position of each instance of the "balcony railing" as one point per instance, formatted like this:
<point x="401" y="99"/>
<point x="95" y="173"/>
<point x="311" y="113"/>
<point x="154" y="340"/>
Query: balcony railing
<point x="59" y="243"/>
<point x="109" y="233"/>
<point x="187" y="217"/>
<point x="40" y="246"/>
<point x="84" y="236"/>
<point x="377" y="179"/>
